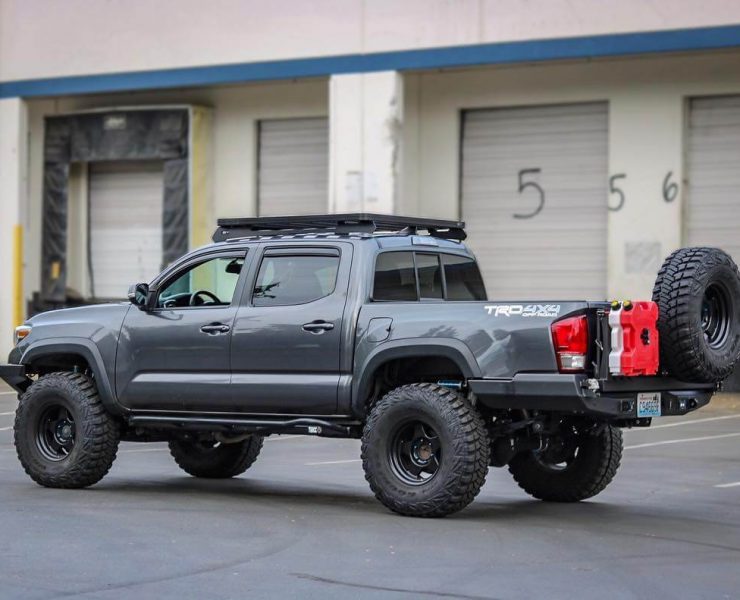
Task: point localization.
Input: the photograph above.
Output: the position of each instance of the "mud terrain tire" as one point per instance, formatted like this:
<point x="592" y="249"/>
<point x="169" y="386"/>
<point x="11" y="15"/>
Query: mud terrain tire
<point x="425" y="451"/>
<point x="589" y="472"/>
<point x="221" y="461"/>
<point x="698" y="296"/>
<point x="63" y="435"/>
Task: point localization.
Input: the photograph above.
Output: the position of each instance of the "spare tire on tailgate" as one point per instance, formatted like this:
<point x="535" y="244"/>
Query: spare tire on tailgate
<point x="698" y="296"/>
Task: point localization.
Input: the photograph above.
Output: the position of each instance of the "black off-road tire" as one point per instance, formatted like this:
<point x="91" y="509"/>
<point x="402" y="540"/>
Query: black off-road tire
<point x="463" y="446"/>
<point x="219" y="462"/>
<point x="691" y="281"/>
<point x="96" y="432"/>
<point x="592" y="469"/>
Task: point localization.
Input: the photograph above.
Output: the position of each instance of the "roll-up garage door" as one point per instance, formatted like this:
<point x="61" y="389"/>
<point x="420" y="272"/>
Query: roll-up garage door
<point x="713" y="157"/>
<point x="293" y="166"/>
<point x="125" y="225"/>
<point x="534" y="197"/>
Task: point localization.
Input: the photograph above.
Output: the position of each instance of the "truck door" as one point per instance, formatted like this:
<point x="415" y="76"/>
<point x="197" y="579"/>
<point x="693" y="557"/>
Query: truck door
<point x="176" y="356"/>
<point x="286" y="341"/>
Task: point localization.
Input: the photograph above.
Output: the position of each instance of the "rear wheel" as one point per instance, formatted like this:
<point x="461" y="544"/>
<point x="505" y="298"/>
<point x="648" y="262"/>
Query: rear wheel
<point x="63" y="436"/>
<point x="572" y="466"/>
<point x="213" y="460"/>
<point x="425" y="451"/>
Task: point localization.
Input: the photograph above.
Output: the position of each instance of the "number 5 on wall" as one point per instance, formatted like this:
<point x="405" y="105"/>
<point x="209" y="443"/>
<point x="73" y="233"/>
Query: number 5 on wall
<point x="613" y="189"/>
<point x="533" y="184"/>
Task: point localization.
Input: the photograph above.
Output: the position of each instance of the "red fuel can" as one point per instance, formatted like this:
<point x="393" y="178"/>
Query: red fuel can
<point x="634" y="339"/>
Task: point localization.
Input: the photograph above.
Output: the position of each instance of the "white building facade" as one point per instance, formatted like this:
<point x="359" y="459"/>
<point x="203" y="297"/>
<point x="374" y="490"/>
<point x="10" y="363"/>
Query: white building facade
<point x="582" y="141"/>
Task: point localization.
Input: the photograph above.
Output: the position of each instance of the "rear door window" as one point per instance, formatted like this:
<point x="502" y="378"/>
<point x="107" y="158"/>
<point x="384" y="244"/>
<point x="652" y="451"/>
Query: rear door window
<point x="295" y="279"/>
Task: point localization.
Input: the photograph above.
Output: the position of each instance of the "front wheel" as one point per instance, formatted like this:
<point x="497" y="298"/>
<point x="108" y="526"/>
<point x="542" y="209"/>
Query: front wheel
<point x="63" y="435"/>
<point x="425" y="451"/>
<point x="213" y="460"/>
<point x="572" y="466"/>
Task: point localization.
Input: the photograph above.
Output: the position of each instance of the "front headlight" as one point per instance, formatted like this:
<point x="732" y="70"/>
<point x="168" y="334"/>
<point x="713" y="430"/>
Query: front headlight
<point x="21" y="332"/>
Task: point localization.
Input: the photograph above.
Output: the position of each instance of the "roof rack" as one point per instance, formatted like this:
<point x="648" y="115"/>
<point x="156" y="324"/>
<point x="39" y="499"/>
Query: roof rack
<point x="366" y="223"/>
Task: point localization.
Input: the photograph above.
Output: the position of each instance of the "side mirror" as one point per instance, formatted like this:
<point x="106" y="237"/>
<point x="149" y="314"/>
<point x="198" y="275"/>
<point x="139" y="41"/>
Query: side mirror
<point x="235" y="266"/>
<point x="138" y="294"/>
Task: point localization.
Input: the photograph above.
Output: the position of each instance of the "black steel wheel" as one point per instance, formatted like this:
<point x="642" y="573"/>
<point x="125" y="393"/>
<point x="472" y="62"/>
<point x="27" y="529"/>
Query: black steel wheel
<point x="715" y="315"/>
<point x="559" y="453"/>
<point x="425" y="451"/>
<point x="415" y="452"/>
<point x="55" y="432"/>
<point x="63" y="435"/>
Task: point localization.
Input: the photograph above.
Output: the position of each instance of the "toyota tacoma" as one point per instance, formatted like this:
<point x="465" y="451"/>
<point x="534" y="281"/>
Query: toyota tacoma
<point x="372" y="327"/>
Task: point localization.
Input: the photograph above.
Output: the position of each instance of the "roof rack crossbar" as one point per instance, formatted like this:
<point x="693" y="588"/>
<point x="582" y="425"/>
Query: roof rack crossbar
<point x="342" y="224"/>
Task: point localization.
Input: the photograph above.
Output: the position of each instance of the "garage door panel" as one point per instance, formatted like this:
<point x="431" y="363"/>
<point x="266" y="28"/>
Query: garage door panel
<point x="126" y="203"/>
<point x="713" y="169"/>
<point x="293" y="166"/>
<point x="561" y="250"/>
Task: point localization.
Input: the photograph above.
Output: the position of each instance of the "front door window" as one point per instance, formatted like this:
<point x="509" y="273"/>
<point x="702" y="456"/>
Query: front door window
<point x="206" y="284"/>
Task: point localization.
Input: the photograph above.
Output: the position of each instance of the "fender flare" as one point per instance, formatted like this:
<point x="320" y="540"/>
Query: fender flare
<point x="457" y="351"/>
<point x="87" y="350"/>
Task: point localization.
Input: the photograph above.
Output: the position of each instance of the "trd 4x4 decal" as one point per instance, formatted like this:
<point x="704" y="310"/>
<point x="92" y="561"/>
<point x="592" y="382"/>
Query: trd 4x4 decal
<point x="523" y="310"/>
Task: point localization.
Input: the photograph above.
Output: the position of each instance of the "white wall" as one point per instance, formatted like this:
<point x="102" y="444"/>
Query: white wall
<point x="647" y="103"/>
<point x="235" y="113"/>
<point x="365" y="124"/>
<point x="647" y="106"/>
<point x="13" y="123"/>
<point x="49" y="38"/>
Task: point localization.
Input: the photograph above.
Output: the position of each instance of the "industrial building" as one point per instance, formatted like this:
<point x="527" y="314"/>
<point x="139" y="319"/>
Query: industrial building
<point x="581" y="141"/>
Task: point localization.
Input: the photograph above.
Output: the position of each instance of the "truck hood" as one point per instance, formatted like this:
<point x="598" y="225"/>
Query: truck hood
<point x="100" y="324"/>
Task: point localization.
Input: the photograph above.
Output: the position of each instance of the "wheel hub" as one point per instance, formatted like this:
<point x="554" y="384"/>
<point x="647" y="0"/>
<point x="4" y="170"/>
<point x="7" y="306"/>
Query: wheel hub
<point x="422" y="451"/>
<point x="63" y="432"/>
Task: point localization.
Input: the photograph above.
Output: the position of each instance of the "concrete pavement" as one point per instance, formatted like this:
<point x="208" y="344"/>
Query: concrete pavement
<point x="302" y="523"/>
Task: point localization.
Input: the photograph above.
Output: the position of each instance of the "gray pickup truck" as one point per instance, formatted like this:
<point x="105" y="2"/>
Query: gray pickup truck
<point x="372" y="327"/>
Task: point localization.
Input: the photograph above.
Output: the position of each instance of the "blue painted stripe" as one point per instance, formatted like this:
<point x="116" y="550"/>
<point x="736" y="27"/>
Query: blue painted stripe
<point x="677" y="40"/>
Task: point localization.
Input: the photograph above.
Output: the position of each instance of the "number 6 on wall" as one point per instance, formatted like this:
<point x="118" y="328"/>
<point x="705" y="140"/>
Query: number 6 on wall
<point x="670" y="190"/>
<point x="533" y="184"/>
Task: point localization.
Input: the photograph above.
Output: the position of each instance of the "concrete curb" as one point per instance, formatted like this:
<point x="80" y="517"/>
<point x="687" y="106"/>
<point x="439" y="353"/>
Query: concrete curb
<point x="726" y="401"/>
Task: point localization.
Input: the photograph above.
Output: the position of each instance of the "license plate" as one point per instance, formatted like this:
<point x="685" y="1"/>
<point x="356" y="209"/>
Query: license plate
<point x="648" y="405"/>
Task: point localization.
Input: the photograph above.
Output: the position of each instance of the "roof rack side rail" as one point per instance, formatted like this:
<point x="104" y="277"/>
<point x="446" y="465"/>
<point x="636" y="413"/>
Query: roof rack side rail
<point x="342" y="224"/>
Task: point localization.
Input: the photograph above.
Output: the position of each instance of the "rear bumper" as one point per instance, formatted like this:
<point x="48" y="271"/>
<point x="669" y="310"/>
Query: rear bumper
<point x="576" y="394"/>
<point x="15" y="377"/>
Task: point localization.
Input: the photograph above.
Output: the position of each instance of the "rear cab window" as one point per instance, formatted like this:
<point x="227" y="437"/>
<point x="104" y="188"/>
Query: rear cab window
<point x="406" y="276"/>
<point x="463" y="278"/>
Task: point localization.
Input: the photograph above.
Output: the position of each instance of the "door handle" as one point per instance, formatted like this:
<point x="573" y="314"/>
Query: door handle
<point x="214" y="328"/>
<point x="318" y="327"/>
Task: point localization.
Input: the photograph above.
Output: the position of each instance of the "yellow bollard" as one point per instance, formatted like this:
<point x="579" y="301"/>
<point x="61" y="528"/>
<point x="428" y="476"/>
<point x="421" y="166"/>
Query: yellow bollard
<point x="18" y="312"/>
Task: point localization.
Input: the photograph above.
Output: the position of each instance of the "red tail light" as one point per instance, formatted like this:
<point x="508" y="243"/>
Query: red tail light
<point x="570" y="337"/>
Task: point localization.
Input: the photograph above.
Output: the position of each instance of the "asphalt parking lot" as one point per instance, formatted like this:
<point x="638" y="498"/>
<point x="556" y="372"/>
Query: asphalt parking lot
<point x="302" y="523"/>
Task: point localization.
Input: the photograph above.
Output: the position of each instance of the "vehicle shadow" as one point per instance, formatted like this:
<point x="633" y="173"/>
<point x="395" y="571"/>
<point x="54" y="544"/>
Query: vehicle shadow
<point x="244" y="495"/>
